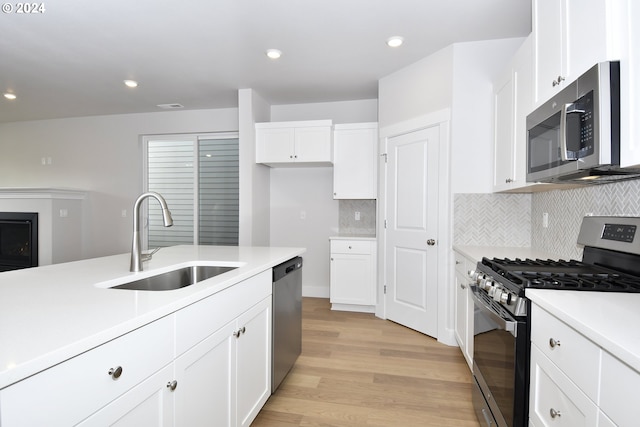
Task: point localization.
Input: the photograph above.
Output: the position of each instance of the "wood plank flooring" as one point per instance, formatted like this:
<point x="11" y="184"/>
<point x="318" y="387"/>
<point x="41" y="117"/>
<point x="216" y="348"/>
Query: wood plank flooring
<point x="358" y="370"/>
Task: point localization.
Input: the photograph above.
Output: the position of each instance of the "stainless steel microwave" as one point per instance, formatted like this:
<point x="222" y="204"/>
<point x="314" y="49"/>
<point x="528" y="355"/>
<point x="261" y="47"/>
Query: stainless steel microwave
<point x="575" y="136"/>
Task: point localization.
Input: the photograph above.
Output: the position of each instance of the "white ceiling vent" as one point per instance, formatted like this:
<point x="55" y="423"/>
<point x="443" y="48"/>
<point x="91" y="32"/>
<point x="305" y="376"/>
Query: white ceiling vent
<point x="170" y="106"/>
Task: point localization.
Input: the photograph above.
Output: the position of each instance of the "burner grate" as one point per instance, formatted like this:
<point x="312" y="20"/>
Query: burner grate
<point x="561" y="274"/>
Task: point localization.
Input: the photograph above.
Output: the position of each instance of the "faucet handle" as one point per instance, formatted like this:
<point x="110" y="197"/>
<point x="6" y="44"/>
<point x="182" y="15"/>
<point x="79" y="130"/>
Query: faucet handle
<point x="148" y="256"/>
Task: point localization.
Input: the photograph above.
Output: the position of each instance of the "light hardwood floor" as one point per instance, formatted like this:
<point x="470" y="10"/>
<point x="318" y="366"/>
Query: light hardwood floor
<point x="358" y="370"/>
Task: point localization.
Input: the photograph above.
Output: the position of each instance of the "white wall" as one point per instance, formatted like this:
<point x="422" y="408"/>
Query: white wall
<point x="421" y="88"/>
<point x="310" y="190"/>
<point x="101" y="155"/>
<point x="360" y="111"/>
<point x="254" y="194"/>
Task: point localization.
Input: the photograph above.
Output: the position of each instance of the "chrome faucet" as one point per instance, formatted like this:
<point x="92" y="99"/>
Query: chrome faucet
<point x="136" y="258"/>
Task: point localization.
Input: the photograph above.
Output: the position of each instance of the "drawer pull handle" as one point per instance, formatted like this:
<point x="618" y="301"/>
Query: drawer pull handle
<point x="554" y="413"/>
<point x="171" y="385"/>
<point x="115" y="372"/>
<point x="240" y="332"/>
<point x="463" y="286"/>
<point x="554" y="343"/>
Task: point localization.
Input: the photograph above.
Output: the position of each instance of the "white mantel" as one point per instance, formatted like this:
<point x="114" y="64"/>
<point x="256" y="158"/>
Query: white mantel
<point x="60" y="219"/>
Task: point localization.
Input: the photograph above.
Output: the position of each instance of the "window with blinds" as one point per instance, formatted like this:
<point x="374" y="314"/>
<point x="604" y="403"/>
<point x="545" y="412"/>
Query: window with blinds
<point x="198" y="175"/>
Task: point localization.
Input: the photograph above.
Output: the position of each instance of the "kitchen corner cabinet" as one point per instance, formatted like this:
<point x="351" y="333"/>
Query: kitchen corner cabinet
<point x="463" y="321"/>
<point x="576" y="382"/>
<point x="571" y="36"/>
<point x="512" y="103"/>
<point x="355" y="161"/>
<point x="353" y="275"/>
<point x="304" y="143"/>
<point x="210" y="360"/>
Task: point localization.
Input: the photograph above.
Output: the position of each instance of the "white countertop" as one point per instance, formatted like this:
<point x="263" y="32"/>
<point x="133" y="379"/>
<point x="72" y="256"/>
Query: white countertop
<point x="49" y="314"/>
<point x="609" y="319"/>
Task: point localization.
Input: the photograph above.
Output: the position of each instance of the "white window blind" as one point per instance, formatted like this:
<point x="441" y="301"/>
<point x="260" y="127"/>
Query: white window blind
<point x="199" y="178"/>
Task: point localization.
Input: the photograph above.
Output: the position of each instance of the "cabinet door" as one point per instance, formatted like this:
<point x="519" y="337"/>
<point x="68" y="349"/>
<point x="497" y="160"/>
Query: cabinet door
<point x="504" y="142"/>
<point x="313" y="144"/>
<point x="148" y="404"/>
<point x="205" y="383"/>
<point x="253" y="361"/>
<point x="548" y="25"/>
<point x="275" y="145"/>
<point x="586" y="37"/>
<point x="554" y="398"/>
<point x="354" y="163"/>
<point x="351" y="281"/>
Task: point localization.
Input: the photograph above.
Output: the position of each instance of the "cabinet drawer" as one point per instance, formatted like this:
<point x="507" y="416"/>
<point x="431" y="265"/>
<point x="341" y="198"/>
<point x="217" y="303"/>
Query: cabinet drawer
<point x="619" y="391"/>
<point x="71" y="391"/>
<point x="574" y="354"/>
<point x="463" y="264"/>
<point x="352" y="246"/>
<point x="198" y="321"/>
<point x="555" y="400"/>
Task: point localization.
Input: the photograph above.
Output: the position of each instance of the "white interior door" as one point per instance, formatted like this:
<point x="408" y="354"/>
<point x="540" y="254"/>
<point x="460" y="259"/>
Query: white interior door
<point x="411" y="233"/>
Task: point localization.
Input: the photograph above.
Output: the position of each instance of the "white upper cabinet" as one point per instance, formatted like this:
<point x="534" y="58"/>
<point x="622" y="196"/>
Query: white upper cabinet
<point x="570" y="36"/>
<point x="355" y="161"/>
<point x="513" y="101"/>
<point x="294" y="143"/>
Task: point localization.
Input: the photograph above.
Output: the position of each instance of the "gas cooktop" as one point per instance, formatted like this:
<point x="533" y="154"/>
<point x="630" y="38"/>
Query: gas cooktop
<point x="560" y="274"/>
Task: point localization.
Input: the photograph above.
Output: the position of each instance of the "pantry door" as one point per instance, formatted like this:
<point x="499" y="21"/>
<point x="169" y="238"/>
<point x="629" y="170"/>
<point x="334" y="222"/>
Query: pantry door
<point x="412" y="229"/>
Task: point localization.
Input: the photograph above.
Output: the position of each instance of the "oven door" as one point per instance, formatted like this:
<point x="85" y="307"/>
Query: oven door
<point x="500" y="364"/>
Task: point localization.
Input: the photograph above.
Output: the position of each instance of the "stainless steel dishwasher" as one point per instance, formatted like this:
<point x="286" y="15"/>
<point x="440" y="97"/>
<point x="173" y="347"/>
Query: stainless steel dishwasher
<point x="287" y="319"/>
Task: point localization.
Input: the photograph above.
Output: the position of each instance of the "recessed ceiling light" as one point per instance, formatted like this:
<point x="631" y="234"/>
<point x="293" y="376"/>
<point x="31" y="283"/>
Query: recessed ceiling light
<point x="131" y="83"/>
<point x="395" y="41"/>
<point x="10" y="96"/>
<point x="274" y="53"/>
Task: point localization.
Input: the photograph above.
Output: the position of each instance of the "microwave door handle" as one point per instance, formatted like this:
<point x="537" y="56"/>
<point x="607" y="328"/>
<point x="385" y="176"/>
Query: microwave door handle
<point x="503" y="323"/>
<point x="564" y="156"/>
<point x="564" y="112"/>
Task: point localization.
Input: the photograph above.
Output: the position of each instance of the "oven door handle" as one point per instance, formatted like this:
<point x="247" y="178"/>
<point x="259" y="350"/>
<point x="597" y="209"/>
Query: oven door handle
<point x="506" y="325"/>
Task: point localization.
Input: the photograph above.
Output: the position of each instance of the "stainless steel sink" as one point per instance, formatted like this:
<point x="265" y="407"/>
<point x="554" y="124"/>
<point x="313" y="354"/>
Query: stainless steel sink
<point x="175" y="279"/>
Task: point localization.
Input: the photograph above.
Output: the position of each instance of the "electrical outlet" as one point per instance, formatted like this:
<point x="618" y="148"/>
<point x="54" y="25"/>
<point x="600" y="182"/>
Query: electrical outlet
<point x="303" y="214"/>
<point x="357" y="216"/>
<point x="545" y="220"/>
<point x="64" y="213"/>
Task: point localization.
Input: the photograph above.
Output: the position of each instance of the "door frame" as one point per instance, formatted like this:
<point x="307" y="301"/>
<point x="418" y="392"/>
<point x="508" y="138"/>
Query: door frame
<point x="442" y="119"/>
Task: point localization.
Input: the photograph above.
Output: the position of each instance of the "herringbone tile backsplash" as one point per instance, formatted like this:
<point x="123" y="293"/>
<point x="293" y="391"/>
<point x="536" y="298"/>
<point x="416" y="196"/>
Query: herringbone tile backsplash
<point x="492" y="219"/>
<point x="516" y="219"/>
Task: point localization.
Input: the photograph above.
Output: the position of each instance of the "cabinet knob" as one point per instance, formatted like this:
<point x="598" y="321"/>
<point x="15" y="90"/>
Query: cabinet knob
<point x="554" y="413"/>
<point x="508" y="181"/>
<point x="558" y="81"/>
<point x="239" y="332"/>
<point x="171" y="385"/>
<point x="463" y="286"/>
<point x="431" y="242"/>
<point x="554" y="343"/>
<point x="115" y="372"/>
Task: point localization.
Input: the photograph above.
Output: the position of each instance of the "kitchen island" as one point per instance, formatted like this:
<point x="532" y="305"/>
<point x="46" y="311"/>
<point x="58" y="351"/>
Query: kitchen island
<point x="50" y="315"/>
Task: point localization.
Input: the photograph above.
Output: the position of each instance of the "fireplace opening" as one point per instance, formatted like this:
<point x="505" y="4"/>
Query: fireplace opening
<point x="18" y="240"/>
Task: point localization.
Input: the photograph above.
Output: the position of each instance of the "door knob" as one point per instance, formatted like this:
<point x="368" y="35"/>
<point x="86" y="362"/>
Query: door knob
<point x="431" y="242"/>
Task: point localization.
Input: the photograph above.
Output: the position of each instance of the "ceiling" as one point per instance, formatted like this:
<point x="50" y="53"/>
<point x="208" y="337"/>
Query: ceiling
<point x="71" y="59"/>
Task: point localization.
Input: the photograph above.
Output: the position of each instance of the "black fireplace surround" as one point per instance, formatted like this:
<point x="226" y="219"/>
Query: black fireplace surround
<point x="18" y="240"/>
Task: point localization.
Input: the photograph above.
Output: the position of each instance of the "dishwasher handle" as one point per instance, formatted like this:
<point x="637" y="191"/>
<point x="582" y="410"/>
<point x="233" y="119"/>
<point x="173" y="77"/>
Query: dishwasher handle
<point x="286" y="268"/>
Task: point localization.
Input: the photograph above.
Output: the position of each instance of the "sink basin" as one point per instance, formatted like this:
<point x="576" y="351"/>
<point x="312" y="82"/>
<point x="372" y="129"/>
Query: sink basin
<point x="175" y="279"/>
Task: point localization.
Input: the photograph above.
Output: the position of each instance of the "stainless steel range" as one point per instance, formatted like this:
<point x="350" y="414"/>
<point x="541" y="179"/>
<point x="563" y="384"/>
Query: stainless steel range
<point x="502" y="320"/>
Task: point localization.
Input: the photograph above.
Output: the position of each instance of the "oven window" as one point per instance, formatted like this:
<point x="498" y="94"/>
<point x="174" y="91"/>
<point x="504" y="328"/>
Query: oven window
<point x="495" y="358"/>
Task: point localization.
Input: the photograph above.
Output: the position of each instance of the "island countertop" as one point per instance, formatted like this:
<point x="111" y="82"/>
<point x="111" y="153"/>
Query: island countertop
<point x="52" y="313"/>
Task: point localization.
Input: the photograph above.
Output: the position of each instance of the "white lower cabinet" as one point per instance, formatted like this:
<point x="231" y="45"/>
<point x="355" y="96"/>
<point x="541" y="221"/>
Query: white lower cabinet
<point x="225" y="379"/>
<point x="464" y="307"/>
<point x="208" y="364"/>
<point x="147" y="404"/>
<point x="574" y="382"/>
<point x="353" y="275"/>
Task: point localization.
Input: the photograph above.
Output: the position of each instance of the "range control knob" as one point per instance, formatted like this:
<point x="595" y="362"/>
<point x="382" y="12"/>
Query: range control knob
<point x="506" y="298"/>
